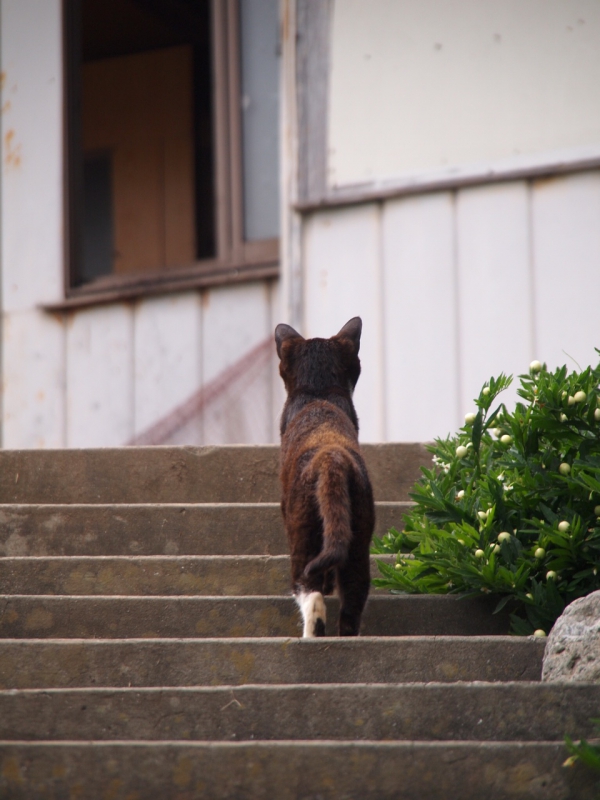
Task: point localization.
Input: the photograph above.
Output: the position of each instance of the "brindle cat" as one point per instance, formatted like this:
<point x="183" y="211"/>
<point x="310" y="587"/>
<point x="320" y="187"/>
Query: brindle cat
<point x="327" y="500"/>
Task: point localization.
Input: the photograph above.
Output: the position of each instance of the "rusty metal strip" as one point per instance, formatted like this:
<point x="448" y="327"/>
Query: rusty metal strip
<point x="160" y="431"/>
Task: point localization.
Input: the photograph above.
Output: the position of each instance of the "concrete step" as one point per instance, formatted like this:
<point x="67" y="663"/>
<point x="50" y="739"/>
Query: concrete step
<point x="432" y="711"/>
<point x="216" y="474"/>
<point x="151" y="575"/>
<point x="38" y="663"/>
<point x="153" y="529"/>
<point x="60" y="616"/>
<point x="290" y="770"/>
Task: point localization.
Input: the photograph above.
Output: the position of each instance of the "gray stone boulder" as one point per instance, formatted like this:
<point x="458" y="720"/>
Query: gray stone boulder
<point x="573" y="648"/>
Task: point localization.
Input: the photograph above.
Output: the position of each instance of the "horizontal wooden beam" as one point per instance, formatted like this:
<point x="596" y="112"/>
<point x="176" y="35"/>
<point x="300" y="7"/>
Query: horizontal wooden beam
<point x="132" y="288"/>
<point x="358" y="194"/>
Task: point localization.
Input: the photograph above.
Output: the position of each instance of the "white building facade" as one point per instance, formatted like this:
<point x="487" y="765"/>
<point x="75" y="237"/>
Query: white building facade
<point x="437" y="172"/>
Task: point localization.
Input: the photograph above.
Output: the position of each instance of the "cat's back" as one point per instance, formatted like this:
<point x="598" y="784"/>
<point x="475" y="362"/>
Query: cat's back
<point x="320" y="428"/>
<point x="319" y="424"/>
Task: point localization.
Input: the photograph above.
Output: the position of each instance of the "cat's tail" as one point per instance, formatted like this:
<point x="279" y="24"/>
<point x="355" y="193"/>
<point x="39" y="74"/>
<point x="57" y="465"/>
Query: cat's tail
<point x="333" y="467"/>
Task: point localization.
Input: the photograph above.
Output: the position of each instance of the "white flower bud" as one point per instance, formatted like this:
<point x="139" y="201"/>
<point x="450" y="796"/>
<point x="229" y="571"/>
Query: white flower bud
<point x="485" y="390"/>
<point x="539" y="634"/>
<point x="563" y="418"/>
<point x="497" y="549"/>
<point x="504" y="536"/>
<point x="529" y="596"/>
<point x="535" y="366"/>
<point x="551" y="575"/>
<point x="579" y="397"/>
<point x="563" y="526"/>
<point x="540" y="552"/>
<point x="460" y="495"/>
<point x="571" y="400"/>
<point x="506" y="439"/>
<point x="479" y="554"/>
<point x="597" y="511"/>
<point x="564" y="468"/>
<point x="563" y="395"/>
<point x="461" y="451"/>
<point x="597" y="415"/>
<point x="470" y="418"/>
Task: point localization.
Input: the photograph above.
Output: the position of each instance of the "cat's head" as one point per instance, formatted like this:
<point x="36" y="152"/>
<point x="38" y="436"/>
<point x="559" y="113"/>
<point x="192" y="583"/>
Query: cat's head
<point x="319" y="364"/>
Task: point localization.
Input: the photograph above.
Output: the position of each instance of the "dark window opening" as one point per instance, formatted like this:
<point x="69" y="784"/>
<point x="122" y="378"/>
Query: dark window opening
<point x="98" y="241"/>
<point x="173" y="137"/>
<point x="145" y="97"/>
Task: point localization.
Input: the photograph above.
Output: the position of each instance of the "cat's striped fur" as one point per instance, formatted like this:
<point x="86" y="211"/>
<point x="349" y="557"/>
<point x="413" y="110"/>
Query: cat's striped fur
<point x="327" y="500"/>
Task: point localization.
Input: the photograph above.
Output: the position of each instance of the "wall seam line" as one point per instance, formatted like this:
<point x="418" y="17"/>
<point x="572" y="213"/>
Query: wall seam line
<point x="457" y="306"/>
<point x="532" y="272"/>
<point x="381" y="323"/>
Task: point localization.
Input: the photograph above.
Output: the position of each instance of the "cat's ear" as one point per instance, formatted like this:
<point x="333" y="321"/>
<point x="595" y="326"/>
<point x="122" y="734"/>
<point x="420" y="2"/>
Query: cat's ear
<point x="284" y="332"/>
<point x="352" y="330"/>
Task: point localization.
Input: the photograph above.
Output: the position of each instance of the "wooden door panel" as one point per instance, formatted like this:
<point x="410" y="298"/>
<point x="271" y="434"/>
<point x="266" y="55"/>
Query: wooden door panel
<point x="139" y="107"/>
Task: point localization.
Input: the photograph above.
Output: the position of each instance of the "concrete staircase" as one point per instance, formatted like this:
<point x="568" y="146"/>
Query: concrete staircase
<point x="149" y="649"/>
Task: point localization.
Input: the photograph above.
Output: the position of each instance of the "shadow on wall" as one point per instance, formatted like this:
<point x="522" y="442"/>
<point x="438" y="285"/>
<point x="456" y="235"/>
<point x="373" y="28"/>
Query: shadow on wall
<point x="235" y="407"/>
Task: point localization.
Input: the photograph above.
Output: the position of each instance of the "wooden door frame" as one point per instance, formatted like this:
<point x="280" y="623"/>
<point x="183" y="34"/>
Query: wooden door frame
<point x="235" y="259"/>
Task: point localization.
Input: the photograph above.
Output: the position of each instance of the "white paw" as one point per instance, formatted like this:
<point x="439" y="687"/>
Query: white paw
<point x="312" y="606"/>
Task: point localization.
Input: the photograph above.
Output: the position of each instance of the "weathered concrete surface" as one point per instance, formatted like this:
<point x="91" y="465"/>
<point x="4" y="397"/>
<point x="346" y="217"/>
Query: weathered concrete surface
<point x="60" y="616"/>
<point x="433" y="711"/>
<point x="151" y="575"/>
<point x="573" y="646"/>
<point x="287" y="771"/>
<point x="35" y="663"/>
<point x="168" y="529"/>
<point x="216" y="474"/>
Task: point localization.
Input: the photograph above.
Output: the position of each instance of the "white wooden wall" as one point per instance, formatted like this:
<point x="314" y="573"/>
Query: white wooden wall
<point x="454" y="287"/>
<point x="101" y="376"/>
<point x="98" y="377"/>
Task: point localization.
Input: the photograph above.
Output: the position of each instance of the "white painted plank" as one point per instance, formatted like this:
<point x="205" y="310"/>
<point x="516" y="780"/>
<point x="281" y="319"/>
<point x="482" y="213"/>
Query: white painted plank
<point x="167" y="354"/>
<point x="277" y="388"/>
<point x="234" y="320"/>
<point x="32" y="153"/>
<point x="566" y="247"/>
<point x="33" y="380"/>
<point x="421" y="358"/>
<point x="100" y="377"/>
<point x="494" y="280"/>
<point x="341" y="256"/>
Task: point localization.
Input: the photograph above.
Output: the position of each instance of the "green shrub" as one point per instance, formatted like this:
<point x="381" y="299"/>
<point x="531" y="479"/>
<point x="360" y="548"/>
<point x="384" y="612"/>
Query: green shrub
<point x="587" y="753"/>
<point x="511" y="506"/>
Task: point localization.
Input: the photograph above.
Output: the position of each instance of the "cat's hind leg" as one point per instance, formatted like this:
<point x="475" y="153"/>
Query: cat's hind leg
<point x="314" y="613"/>
<point x="353" y="589"/>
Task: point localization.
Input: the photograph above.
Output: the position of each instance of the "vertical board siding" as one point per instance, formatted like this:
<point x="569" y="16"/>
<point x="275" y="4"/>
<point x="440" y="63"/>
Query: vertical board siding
<point x="100" y="377"/>
<point x="234" y="320"/>
<point x="167" y="353"/>
<point x="33" y="380"/>
<point x="342" y="263"/>
<point x="420" y="358"/>
<point x="566" y="253"/>
<point x="277" y="388"/>
<point x="494" y="286"/>
<point x="32" y="153"/>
